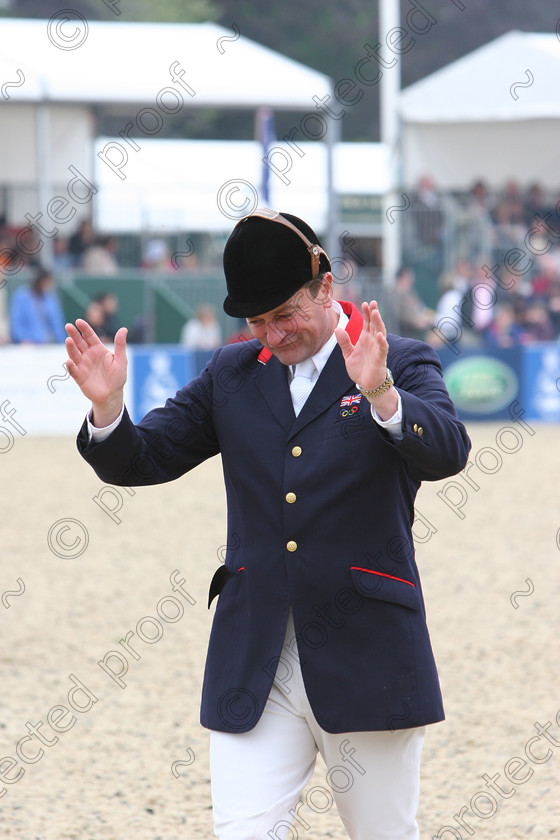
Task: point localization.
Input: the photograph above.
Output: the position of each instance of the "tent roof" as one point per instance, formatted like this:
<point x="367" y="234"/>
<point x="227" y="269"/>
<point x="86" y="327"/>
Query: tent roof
<point x="514" y="77"/>
<point x="129" y="63"/>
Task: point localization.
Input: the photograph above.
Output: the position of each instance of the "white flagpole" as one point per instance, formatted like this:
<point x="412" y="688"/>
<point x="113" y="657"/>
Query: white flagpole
<point x="389" y="19"/>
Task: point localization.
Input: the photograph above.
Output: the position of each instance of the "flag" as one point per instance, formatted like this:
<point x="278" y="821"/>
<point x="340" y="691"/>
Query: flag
<point x="265" y="134"/>
<point x="351" y="399"/>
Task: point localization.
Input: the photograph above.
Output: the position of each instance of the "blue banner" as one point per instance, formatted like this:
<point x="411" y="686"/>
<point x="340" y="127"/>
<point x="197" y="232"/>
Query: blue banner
<point x="159" y="371"/>
<point x="482" y="382"/>
<point x="541" y="382"/>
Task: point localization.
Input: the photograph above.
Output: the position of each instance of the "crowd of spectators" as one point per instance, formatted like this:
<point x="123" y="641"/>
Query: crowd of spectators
<point x="504" y="287"/>
<point x="476" y="311"/>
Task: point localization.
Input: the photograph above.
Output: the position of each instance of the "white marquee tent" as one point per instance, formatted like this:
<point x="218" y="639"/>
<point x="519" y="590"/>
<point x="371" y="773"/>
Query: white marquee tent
<point x="76" y="61"/>
<point x="493" y="114"/>
<point x="57" y="72"/>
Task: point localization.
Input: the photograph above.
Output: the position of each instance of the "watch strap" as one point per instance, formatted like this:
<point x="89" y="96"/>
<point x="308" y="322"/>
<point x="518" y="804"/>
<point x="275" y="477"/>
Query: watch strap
<point x="375" y="392"/>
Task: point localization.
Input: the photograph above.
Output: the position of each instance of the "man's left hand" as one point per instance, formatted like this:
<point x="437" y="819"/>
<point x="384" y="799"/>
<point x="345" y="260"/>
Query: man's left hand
<point x="366" y="361"/>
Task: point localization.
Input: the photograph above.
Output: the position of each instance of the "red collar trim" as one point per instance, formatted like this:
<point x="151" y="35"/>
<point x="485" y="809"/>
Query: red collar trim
<point x="355" y="320"/>
<point x="353" y="327"/>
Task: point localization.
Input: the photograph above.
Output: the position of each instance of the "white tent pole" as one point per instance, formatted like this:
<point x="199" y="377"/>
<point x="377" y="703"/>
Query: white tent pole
<point x="333" y="139"/>
<point x="43" y="158"/>
<point x="389" y="18"/>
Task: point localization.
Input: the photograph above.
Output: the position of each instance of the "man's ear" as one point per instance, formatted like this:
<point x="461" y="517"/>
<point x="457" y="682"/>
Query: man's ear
<point x="325" y="296"/>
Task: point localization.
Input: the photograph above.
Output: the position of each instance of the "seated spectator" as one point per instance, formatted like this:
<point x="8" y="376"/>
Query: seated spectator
<point x="509" y="217"/>
<point x="480" y="227"/>
<point x="537" y="324"/>
<point x="504" y="330"/>
<point x="535" y="205"/>
<point x="427" y="213"/>
<point x="110" y="304"/>
<point x="462" y="275"/>
<point x="95" y="316"/>
<point x="453" y="323"/>
<point x="450" y="299"/>
<point x="543" y="282"/>
<point x="36" y="315"/>
<point x="100" y="258"/>
<point x="413" y="317"/>
<point x="142" y="329"/>
<point x="28" y="246"/>
<point x="202" y="332"/>
<point x="62" y="258"/>
<point x="482" y="298"/>
<point x="80" y="241"/>
<point x="510" y="209"/>
<point x="156" y="256"/>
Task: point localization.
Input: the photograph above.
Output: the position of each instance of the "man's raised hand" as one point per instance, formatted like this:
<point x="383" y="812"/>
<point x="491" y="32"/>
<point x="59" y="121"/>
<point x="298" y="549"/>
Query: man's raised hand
<point x="99" y="373"/>
<point x="366" y="361"/>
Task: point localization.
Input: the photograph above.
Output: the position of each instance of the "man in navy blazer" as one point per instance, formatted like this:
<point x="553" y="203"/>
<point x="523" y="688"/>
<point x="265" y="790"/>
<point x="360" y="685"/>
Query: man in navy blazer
<point x="326" y="427"/>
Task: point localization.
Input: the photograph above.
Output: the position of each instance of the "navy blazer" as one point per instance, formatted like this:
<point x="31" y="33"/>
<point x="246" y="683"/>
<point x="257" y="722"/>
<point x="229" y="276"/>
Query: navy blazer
<point x="320" y="511"/>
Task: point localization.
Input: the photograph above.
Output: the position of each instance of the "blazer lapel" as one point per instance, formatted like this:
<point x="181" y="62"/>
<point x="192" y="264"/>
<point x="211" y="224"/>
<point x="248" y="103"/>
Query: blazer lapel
<point x="272" y="382"/>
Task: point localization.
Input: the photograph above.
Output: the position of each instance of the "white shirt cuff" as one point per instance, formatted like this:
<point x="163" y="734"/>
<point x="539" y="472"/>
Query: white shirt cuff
<point x="96" y="434"/>
<point x="394" y="423"/>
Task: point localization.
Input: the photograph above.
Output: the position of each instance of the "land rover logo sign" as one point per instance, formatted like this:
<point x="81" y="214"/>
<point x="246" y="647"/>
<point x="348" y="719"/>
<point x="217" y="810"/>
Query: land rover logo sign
<point x="481" y="384"/>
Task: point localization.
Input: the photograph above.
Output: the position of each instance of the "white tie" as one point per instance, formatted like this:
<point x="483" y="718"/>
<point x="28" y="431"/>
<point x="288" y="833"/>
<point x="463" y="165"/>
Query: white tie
<point x="302" y="383"/>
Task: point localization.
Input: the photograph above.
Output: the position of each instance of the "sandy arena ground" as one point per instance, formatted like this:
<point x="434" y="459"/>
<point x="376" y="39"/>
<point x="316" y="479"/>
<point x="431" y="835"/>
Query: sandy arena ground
<point x="134" y="764"/>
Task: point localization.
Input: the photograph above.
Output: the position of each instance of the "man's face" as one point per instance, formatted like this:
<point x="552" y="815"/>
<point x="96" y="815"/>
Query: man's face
<point x="298" y="328"/>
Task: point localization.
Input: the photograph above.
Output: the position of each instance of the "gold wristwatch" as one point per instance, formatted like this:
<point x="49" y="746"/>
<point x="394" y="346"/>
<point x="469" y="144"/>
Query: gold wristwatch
<point x="375" y="392"/>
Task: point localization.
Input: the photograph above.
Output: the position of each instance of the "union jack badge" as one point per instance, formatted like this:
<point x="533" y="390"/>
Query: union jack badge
<point x="349" y="404"/>
<point x="351" y="399"/>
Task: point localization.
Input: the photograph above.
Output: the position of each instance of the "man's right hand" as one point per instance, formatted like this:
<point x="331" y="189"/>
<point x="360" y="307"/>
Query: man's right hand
<point x="99" y="373"/>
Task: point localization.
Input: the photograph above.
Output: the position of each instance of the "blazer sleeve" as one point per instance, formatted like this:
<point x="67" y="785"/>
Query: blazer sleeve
<point x="168" y="442"/>
<point x="435" y="443"/>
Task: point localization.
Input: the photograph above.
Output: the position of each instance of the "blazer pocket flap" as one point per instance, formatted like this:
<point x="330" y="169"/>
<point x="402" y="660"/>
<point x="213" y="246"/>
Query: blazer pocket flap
<point x="384" y="587"/>
<point x="221" y="577"/>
